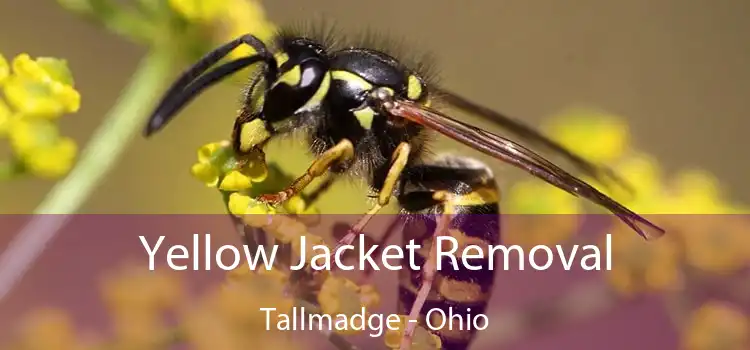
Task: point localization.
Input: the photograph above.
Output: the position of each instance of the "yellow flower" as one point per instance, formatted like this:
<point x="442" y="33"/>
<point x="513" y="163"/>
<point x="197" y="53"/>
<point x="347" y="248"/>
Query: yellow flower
<point x="690" y="192"/>
<point x="216" y="161"/>
<point x="339" y="295"/>
<point x="421" y="340"/>
<point x="295" y="205"/>
<point x="696" y="192"/>
<point x="242" y="17"/>
<point x="540" y="214"/>
<point x="597" y="136"/>
<point x="643" y="174"/>
<point x="211" y="158"/>
<point x="41" y="88"/>
<point x="206" y="330"/>
<point x="199" y="10"/>
<point x="4" y="69"/>
<point x="229" y="317"/>
<point x="278" y="276"/>
<point x="538" y="197"/>
<point x="235" y="181"/>
<point x="206" y="173"/>
<point x="232" y="18"/>
<point x="287" y="229"/>
<point x="241" y="301"/>
<point x="54" y="161"/>
<point x="44" y="69"/>
<point x="714" y="243"/>
<point x="36" y="92"/>
<point x="41" y="148"/>
<point x="238" y="274"/>
<point x="239" y="203"/>
<point x="138" y="329"/>
<point x="369" y="296"/>
<point x="717" y="326"/>
<point x="136" y="299"/>
<point x="26" y="135"/>
<point x="294" y="230"/>
<point x="6" y="116"/>
<point x="48" y="329"/>
<point x="209" y="150"/>
<point x="136" y="288"/>
<point x="640" y="266"/>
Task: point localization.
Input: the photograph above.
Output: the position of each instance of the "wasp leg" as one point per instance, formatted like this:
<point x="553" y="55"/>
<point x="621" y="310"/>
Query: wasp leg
<point x="429" y="269"/>
<point x="398" y="163"/>
<point x="313" y="197"/>
<point x="342" y="151"/>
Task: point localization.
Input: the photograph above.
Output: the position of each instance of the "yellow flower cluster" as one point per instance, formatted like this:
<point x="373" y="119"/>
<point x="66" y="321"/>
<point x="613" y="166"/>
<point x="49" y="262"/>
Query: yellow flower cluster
<point x="141" y="303"/>
<point x="137" y="300"/>
<point x="700" y="230"/>
<point x="230" y="318"/>
<point x="49" y="329"/>
<point x="577" y="129"/>
<point x="339" y="295"/>
<point x="641" y="267"/>
<point x="231" y="18"/>
<point x="690" y="191"/>
<point x="717" y="326"/>
<point x="37" y="92"/>
<point x="188" y="26"/>
<point x="218" y="167"/>
<point x="421" y="340"/>
<point x="712" y="243"/>
<point x="539" y="214"/>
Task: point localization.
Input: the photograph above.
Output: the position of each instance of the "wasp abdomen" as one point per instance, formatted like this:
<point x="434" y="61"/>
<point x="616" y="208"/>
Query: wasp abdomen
<point x="463" y="284"/>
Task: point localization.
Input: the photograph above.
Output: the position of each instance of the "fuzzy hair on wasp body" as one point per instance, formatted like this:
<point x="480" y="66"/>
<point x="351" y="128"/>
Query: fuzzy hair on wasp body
<point x="367" y="114"/>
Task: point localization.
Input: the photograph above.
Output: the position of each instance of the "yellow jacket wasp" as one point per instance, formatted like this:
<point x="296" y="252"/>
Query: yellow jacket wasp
<point x="367" y="114"/>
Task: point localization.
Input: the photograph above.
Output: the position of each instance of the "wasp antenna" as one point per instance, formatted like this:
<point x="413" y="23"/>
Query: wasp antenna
<point x="186" y="87"/>
<point x="172" y="106"/>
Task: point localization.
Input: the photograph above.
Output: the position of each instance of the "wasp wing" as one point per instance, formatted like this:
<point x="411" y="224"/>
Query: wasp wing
<point x="519" y="156"/>
<point x="529" y="134"/>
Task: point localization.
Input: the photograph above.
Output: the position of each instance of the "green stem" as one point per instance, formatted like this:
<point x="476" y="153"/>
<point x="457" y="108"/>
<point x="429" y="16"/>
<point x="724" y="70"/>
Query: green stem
<point x="96" y="161"/>
<point x="124" y="121"/>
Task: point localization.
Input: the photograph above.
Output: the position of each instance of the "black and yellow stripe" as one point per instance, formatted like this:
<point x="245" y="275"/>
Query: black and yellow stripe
<point x="476" y="221"/>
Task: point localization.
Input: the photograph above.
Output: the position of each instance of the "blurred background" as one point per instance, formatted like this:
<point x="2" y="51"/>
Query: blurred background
<point x="674" y="72"/>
